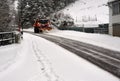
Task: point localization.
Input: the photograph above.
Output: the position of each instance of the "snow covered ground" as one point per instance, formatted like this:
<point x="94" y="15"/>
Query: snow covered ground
<point x="102" y="40"/>
<point x="24" y="63"/>
<point x="37" y="59"/>
<point x="89" y="12"/>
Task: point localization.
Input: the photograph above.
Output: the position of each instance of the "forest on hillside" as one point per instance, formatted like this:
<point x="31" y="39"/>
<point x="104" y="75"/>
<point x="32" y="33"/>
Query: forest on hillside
<point x="32" y="9"/>
<point x="28" y="10"/>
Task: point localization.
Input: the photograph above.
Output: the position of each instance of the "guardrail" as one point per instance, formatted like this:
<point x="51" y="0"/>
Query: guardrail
<point x="7" y="38"/>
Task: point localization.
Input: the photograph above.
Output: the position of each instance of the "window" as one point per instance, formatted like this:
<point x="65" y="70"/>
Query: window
<point x="119" y="7"/>
<point x="116" y="8"/>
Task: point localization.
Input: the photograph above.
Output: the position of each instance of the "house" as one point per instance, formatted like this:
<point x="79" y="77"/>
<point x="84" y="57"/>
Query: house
<point x="114" y="14"/>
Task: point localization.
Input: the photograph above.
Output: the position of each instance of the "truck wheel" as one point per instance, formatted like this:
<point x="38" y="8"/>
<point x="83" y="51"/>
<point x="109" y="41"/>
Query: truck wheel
<point x="36" y="30"/>
<point x="40" y="31"/>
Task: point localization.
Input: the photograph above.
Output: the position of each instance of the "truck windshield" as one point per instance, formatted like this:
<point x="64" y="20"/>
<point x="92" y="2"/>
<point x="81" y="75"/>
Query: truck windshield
<point x="43" y="21"/>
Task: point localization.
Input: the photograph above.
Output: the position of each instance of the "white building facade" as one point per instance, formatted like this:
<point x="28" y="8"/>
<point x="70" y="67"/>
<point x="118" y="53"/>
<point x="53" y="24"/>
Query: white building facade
<point x="114" y="13"/>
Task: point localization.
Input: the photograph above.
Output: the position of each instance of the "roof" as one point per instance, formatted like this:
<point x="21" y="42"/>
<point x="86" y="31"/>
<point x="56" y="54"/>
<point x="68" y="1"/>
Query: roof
<point x="112" y="1"/>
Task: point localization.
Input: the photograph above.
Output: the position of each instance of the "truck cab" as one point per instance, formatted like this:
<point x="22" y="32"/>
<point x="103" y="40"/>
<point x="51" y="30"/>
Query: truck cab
<point x="42" y="25"/>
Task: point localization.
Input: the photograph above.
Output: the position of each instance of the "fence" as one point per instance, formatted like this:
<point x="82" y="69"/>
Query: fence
<point x="102" y="29"/>
<point x="7" y="38"/>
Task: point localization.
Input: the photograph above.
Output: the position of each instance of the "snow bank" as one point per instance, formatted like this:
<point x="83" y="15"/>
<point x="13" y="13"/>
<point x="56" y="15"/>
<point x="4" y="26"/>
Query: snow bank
<point x="25" y="63"/>
<point x="29" y="29"/>
<point x="7" y="56"/>
<point x="102" y="40"/>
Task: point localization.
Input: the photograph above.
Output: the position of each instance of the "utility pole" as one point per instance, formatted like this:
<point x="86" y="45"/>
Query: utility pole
<point x="76" y="18"/>
<point x="20" y="17"/>
<point x="83" y="28"/>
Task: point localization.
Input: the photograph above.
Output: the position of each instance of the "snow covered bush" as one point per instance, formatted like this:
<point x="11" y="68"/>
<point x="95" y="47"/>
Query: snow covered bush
<point x="62" y="20"/>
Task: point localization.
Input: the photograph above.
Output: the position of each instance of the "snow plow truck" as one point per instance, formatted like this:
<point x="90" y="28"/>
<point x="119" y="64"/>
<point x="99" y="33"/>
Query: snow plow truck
<point x="41" y="25"/>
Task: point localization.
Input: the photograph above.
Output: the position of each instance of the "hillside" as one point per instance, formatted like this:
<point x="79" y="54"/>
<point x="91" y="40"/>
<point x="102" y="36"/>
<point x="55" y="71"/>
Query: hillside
<point x="32" y="9"/>
<point x="89" y="12"/>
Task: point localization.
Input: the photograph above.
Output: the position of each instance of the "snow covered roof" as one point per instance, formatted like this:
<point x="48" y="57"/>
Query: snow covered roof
<point x="112" y="0"/>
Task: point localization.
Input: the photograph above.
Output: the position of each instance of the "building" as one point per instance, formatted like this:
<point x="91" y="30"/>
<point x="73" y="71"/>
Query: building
<point x="114" y="13"/>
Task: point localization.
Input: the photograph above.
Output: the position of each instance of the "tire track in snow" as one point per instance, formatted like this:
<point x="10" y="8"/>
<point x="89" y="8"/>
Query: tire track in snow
<point x="47" y="71"/>
<point x="106" y="59"/>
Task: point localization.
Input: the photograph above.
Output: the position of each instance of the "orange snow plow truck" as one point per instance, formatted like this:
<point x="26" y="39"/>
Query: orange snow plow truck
<point x="42" y="25"/>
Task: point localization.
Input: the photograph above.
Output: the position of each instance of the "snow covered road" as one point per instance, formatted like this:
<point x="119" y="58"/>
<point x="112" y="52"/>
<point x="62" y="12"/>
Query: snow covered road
<point x="27" y="65"/>
<point x="106" y="59"/>
<point x="40" y="60"/>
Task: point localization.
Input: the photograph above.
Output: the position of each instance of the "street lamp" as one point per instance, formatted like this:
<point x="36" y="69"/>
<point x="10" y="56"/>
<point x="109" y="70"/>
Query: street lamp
<point x="27" y="6"/>
<point x="13" y="17"/>
<point x="83" y="27"/>
<point x="21" y="16"/>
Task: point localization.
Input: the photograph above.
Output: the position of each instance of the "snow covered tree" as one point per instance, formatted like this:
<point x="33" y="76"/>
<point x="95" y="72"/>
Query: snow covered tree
<point x="5" y="15"/>
<point x="39" y="8"/>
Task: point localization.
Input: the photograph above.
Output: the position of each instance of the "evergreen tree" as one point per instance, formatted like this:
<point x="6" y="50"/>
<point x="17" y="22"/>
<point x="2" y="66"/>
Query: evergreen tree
<point x="5" y="15"/>
<point x="39" y="8"/>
